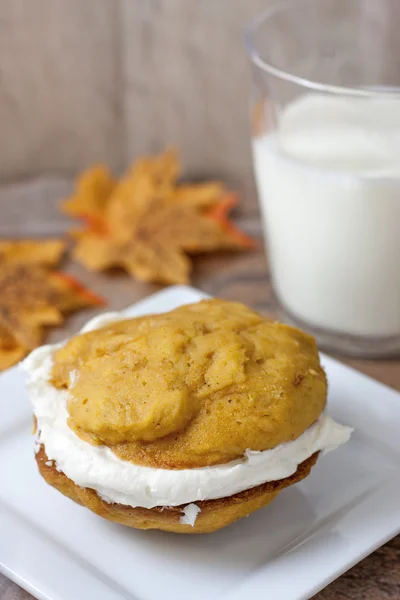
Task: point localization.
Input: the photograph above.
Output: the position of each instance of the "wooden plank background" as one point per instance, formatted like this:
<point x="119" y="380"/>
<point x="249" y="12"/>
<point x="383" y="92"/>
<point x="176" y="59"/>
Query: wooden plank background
<point x="107" y="80"/>
<point x="83" y="81"/>
<point x="60" y="103"/>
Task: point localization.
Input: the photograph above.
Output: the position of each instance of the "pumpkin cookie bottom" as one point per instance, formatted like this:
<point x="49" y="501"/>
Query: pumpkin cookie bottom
<point x="213" y="515"/>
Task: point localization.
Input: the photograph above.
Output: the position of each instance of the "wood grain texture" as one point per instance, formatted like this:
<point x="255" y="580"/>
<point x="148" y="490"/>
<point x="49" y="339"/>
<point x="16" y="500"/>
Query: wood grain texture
<point x="97" y="80"/>
<point x="10" y="591"/>
<point x="106" y="80"/>
<point x="32" y="207"/>
<point x="59" y="86"/>
<point x="187" y="82"/>
<point x="241" y="277"/>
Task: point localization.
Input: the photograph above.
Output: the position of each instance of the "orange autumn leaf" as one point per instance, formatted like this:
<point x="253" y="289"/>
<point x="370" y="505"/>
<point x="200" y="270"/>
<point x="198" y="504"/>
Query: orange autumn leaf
<point x="97" y="194"/>
<point x="164" y="169"/>
<point x="47" y="252"/>
<point x="96" y="189"/>
<point x="146" y="262"/>
<point x="32" y="296"/>
<point x="71" y="294"/>
<point x="202" y="196"/>
<point x="220" y="214"/>
<point x="93" y="189"/>
<point x="92" y="223"/>
<point x="10" y="355"/>
<point x="158" y="243"/>
<point x="133" y="194"/>
<point x="151" y="222"/>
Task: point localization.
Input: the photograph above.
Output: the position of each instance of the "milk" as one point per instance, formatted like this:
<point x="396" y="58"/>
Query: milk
<point x="329" y="187"/>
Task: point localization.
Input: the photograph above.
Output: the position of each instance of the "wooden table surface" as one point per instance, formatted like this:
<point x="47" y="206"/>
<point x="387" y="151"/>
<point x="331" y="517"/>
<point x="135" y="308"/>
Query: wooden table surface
<point x="245" y="278"/>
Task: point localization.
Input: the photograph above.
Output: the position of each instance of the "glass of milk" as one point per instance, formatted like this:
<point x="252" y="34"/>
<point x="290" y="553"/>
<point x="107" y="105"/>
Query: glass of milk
<point x="326" y="149"/>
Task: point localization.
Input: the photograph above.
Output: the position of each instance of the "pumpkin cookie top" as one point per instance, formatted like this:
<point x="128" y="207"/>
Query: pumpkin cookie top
<point x="194" y="387"/>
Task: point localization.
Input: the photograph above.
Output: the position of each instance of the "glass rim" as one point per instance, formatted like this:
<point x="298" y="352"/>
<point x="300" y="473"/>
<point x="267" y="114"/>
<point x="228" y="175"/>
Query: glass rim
<point x="280" y="6"/>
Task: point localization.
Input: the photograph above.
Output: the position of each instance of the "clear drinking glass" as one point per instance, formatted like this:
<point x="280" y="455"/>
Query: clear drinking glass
<point x="326" y="150"/>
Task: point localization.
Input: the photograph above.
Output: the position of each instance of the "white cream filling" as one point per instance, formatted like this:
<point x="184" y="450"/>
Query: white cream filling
<point x="189" y="516"/>
<point x="120" y="481"/>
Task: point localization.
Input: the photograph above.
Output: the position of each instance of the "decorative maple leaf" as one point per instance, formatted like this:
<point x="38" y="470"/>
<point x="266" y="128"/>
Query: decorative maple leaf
<point x="159" y="240"/>
<point x="150" y="223"/>
<point x="46" y="252"/>
<point x="32" y="296"/>
<point x="202" y="196"/>
<point x="96" y="190"/>
<point x="93" y="189"/>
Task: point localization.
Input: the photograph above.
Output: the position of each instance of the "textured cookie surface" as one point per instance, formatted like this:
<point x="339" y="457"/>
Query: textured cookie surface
<point x="193" y="387"/>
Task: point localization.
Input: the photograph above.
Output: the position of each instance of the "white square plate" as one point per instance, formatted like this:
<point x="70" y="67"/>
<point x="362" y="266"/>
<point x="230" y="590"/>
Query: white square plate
<point x="312" y="533"/>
